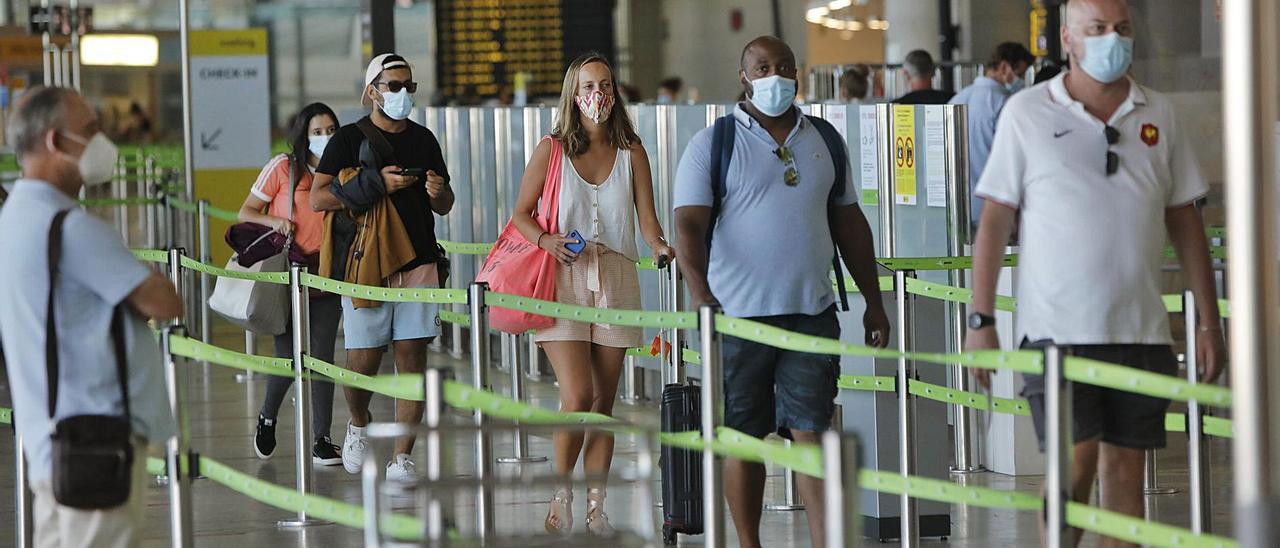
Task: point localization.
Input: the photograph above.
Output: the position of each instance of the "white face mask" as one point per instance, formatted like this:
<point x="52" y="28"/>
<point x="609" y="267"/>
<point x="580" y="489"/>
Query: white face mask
<point x="317" y="143"/>
<point x="98" y="160"/>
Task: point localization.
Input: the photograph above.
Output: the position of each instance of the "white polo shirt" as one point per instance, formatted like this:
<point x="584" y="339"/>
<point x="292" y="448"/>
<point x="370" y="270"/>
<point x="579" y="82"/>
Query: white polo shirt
<point x="1091" y="244"/>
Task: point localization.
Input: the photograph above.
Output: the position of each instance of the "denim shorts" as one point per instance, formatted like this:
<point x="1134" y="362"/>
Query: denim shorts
<point x="1116" y="417"/>
<point x="768" y="389"/>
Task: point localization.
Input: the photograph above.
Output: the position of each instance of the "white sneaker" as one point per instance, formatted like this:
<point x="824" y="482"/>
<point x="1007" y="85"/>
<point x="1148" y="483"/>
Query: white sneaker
<point x="354" y="446"/>
<point x="402" y="470"/>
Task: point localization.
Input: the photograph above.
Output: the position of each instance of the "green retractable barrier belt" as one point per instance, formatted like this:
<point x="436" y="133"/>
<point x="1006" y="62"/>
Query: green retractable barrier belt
<point x="196" y="350"/>
<point x="402" y="386"/>
<point x="945" y="292"/>
<point x="385" y="294"/>
<point x="937" y="263"/>
<point x="1128" y="379"/>
<point x="1212" y="426"/>
<point x="464" y="248"/>
<point x="151" y="255"/>
<point x="6" y="415"/>
<point x="268" y="277"/>
<point x="865" y="382"/>
<point x="633" y="318"/>
<point x="449" y="316"/>
<point x="118" y="202"/>
<point x="945" y="491"/>
<point x="1136" y="530"/>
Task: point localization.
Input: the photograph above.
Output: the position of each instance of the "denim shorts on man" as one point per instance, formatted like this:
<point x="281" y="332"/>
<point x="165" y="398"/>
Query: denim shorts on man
<point x="769" y="389"/>
<point x="378" y="326"/>
<point x="1116" y="417"/>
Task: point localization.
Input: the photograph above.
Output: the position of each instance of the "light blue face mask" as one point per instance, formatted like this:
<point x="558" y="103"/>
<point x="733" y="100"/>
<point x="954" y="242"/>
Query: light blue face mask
<point x="1018" y="84"/>
<point x="773" y="95"/>
<point x="397" y="106"/>
<point x="1107" y="57"/>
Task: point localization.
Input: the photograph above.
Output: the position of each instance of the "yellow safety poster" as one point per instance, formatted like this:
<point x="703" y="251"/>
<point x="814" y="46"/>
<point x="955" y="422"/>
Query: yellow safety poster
<point x="904" y="154"/>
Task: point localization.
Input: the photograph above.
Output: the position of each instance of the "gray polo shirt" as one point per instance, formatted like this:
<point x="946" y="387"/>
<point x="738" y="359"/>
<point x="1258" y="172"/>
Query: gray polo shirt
<point x="771" y="248"/>
<point x="96" y="273"/>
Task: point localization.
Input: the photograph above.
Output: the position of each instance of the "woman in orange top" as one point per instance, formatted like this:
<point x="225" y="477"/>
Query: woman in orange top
<point x="268" y="205"/>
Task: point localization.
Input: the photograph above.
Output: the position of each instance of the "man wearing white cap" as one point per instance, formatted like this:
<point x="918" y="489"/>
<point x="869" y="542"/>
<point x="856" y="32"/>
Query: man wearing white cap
<point x="414" y="176"/>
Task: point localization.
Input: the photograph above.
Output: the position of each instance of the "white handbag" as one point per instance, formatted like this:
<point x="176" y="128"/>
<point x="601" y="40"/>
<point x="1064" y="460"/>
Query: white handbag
<point x="259" y="307"/>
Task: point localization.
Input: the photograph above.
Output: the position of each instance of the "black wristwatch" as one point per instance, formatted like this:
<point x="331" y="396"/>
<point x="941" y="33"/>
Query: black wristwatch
<point x="978" y="320"/>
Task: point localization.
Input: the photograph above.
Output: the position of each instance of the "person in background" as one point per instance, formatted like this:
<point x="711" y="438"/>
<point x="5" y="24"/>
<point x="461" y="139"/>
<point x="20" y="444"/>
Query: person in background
<point x="1097" y="171"/>
<point x="669" y="90"/>
<point x="855" y="84"/>
<point x="417" y="197"/>
<point x="984" y="99"/>
<point x="268" y="205"/>
<point x="783" y="214"/>
<point x="138" y="128"/>
<point x="1047" y="71"/>
<point x="918" y="69"/>
<point x="61" y="148"/>
<point x="606" y="190"/>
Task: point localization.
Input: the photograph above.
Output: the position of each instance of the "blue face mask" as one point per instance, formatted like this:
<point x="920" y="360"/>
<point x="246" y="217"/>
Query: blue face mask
<point x="773" y="95"/>
<point x="397" y="106"/>
<point x="1016" y="85"/>
<point x="1107" y="57"/>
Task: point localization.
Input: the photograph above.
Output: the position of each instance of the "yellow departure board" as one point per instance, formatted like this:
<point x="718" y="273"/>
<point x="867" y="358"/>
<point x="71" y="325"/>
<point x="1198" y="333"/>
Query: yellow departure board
<point x="483" y="44"/>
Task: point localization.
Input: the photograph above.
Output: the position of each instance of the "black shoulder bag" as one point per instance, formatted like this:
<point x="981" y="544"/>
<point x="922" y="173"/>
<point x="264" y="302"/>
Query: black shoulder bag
<point x="92" y="454"/>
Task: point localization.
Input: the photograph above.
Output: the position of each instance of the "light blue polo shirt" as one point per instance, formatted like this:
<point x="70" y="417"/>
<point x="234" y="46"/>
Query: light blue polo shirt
<point x="96" y="272"/>
<point x="771" y="248"/>
<point x="985" y="99"/>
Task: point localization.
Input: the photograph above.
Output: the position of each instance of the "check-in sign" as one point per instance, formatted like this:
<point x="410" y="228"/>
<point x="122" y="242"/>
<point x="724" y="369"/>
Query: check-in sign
<point x="230" y="99"/>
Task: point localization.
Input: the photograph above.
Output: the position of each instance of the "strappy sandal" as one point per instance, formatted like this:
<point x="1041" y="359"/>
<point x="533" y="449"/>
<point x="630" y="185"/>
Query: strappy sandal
<point x="597" y="520"/>
<point x="560" y="515"/>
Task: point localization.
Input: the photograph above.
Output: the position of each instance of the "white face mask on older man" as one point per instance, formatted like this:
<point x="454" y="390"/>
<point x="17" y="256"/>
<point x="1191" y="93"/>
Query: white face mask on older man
<point x="98" y="160"/>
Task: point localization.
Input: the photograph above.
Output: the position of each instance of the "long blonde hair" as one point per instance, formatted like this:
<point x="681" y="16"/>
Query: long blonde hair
<point x="568" y="129"/>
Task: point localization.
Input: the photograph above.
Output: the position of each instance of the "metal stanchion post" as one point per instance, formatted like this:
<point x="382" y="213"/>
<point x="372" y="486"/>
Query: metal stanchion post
<point x="1058" y="447"/>
<point x="909" y="512"/>
<point x="480" y="379"/>
<point x="120" y="191"/>
<point x="205" y="257"/>
<point x="1150" y="481"/>
<point x="175" y="273"/>
<point x="632" y="381"/>
<point x="179" y="460"/>
<point x="840" y="464"/>
<point x="790" y="498"/>
<point x="676" y="360"/>
<point x="433" y="508"/>
<point x="643" y="504"/>
<point x="1197" y="459"/>
<point x="534" y="362"/>
<point x="148" y="191"/>
<point x="520" y="447"/>
<point x="712" y="417"/>
<point x="24" y="511"/>
<point x="371" y="491"/>
<point x="250" y="348"/>
<point x="298" y="309"/>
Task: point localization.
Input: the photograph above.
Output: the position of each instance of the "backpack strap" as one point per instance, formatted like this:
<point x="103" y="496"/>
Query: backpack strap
<point x="378" y="141"/>
<point x="722" y="136"/>
<point x="835" y="146"/>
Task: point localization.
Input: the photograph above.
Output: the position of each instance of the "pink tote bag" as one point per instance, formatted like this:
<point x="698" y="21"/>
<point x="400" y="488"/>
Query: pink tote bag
<point x="517" y="267"/>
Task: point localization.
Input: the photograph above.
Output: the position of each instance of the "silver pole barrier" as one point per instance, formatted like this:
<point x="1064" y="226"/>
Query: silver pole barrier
<point x="206" y="257"/>
<point x="147" y="191"/>
<point x="534" y="358"/>
<point x="1197" y="460"/>
<point x="188" y="144"/>
<point x="632" y="381"/>
<point x="1058" y="447"/>
<point x="178" y="456"/>
<point x="1150" y="481"/>
<point x="24" y="511"/>
<point x="520" y="447"/>
<point x="298" y="309"/>
<point x="676" y="360"/>
<point x="909" y="511"/>
<point x="433" y="509"/>
<point x="840" y="465"/>
<point x="956" y="139"/>
<point x="790" y="498"/>
<point x="175" y="273"/>
<point x="119" y="192"/>
<point x="712" y="417"/>
<point x="1249" y="59"/>
<point x="480" y="379"/>
<point x="45" y="45"/>
<point x="371" y="491"/>
<point x="250" y="348"/>
<point x="643" y="504"/>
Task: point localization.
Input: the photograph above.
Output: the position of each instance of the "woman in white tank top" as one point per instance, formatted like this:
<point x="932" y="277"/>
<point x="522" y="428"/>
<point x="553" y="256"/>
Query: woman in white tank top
<point x="606" y="190"/>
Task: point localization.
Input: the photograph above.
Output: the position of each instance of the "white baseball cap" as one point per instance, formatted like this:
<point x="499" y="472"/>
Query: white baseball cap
<point x="386" y="61"/>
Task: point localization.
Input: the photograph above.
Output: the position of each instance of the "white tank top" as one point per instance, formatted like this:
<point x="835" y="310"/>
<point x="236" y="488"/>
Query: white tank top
<point x="604" y="214"/>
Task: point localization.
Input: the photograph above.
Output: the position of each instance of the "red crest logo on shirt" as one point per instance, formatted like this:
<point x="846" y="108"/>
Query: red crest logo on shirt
<point x="1150" y="134"/>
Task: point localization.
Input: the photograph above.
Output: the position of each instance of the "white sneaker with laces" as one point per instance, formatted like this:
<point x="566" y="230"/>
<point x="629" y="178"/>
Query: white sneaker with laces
<point x="402" y="470"/>
<point x="354" y="447"/>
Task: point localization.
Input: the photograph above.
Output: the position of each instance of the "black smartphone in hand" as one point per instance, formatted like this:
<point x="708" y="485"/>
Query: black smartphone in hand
<point x="415" y="172"/>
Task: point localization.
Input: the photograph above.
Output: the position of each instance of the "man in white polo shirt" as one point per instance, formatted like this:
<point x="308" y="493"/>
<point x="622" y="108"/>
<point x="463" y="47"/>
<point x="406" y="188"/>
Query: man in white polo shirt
<point x="1097" y="170"/>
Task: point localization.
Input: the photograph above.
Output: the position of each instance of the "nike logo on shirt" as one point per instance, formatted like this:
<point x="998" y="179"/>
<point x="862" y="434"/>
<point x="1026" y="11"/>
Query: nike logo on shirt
<point x="1059" y="134"/>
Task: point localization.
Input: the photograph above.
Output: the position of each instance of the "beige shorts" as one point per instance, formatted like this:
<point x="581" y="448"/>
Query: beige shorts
<point x="600" y="278"/>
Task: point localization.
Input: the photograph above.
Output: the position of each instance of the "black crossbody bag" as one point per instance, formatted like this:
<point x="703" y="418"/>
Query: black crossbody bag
<point x="92" y="454"/>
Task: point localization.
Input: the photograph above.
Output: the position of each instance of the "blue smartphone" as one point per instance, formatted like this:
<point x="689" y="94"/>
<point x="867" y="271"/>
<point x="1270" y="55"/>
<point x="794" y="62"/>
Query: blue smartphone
<point x="576" y="248"/>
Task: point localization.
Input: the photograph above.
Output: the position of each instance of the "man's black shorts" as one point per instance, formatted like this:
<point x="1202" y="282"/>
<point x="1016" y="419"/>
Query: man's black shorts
<point x="768" y="389"/>
<point x="1116" y="417"/>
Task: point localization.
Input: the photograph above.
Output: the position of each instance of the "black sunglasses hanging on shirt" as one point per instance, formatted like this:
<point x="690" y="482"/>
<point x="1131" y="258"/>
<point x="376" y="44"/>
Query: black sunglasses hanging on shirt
<point x="1113" y="159"/>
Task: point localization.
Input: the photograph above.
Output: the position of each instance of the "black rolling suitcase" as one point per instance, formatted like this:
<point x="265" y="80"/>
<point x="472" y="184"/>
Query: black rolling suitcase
<point x="681" y="468"/>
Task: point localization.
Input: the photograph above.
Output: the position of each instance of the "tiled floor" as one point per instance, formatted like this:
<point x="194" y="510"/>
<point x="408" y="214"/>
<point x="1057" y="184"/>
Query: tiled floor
<point x="222" y="414"/>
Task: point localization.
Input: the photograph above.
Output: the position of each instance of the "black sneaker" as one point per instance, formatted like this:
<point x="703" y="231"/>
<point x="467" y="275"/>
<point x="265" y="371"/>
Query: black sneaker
<point x="264" y="442"/>
<point x="325" y="453"/>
